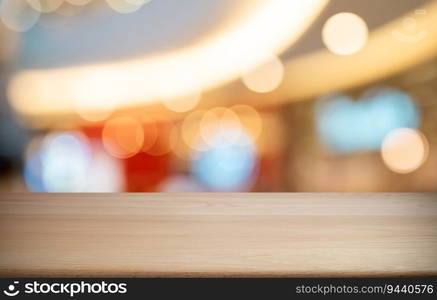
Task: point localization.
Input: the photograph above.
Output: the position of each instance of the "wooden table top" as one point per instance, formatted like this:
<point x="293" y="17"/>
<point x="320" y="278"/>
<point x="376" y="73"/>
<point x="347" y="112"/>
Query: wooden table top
<point x="254" y="234"/>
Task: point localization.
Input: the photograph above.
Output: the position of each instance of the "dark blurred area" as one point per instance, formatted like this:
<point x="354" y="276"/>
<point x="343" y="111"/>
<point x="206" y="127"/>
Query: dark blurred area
<point x="222" y="96"/>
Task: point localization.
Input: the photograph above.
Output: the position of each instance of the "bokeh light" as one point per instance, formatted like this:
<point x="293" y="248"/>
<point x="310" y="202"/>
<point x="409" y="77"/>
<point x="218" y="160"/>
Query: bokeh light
<point x="123" y="137"/>
<point x="33" y="166"/>
<point x="345" y="125"/>
<point x="12" y="46"/>
<point x="404" y="150"/>
<point x="182" y="103"/>
<point x="65" y="159"/>
<point x="78" y="2"/>
<point x="69" y="162"/>
<point x="19" y="15"/>
<point x="181" y="184"/>
<point x="226" y="168"/>
<point x="345" y="33"/>
<point x="105" y="173"/>
<point x="273" y="138"/>
<point x="145" y="172"/>
<point x="266" y="77"/>
<point x="126" y="6"/>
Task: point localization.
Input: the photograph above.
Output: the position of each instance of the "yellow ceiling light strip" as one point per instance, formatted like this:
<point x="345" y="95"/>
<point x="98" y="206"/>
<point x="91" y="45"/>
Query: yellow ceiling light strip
<point x="389" y="50"/>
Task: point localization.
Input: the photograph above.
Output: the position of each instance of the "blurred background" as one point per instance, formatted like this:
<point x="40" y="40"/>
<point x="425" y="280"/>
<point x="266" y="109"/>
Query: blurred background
<point x="218" y="95"/>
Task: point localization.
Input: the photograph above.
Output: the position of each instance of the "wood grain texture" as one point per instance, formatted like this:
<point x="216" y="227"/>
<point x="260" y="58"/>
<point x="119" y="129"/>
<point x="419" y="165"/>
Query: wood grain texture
<point x="218" y="234"/>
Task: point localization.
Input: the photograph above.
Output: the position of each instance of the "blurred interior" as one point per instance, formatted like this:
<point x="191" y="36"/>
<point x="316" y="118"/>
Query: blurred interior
<point x="218" y="96"/>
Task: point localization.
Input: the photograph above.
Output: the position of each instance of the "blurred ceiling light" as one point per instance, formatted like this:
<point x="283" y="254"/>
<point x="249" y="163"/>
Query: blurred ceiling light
<point x="267" y="26"/>
<point x="32" y="171"/>
<point x="345" y="33"/>
<point x="123" y="137"/>
<point x="265" y="77"/>
<point x="182" y="103"/>
<point x="383" y="56"/>
<point x="45" y="6"/>
<point x="126" y="6"/>
<point x="404" y="150"/>
<point x="19" y="15"/>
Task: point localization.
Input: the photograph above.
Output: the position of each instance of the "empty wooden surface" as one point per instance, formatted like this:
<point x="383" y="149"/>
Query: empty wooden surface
<point x="218" y="234"/>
